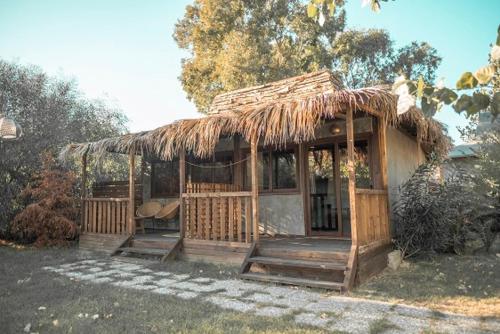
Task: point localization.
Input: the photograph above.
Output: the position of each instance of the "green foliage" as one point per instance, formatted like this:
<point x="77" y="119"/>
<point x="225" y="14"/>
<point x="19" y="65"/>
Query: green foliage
<point x="485" y="82"/>
<point x="467" y="81"/>
<point x="52" y="113"/>
<point x="434" y="215"/>
<point x="239" y="43"/>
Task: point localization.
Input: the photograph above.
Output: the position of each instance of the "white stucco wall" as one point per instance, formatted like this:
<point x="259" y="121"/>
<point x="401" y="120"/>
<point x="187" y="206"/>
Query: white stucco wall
<point x="281" y="214"/>
<point x="404" y="155"/>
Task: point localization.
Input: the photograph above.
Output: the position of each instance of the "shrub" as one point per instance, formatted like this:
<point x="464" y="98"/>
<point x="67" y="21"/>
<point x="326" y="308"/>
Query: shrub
<point x="49" y="219"/>
<point x="440" y="215"/>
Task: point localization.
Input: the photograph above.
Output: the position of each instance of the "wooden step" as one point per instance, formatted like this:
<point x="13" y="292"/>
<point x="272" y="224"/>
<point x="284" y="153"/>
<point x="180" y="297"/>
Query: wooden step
<point x="154" y="243"/>
<point x="293" y="281"/>
<point x="302" y="254"/>
<point x="144" y="251"/>
<point x="298" y="263"/>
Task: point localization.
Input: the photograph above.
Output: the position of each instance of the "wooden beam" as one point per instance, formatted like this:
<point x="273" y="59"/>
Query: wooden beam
<point x="338" y="198"/>
<point x="382" y="149"/>
<point x="238" y="168"/>
<point x="352" y="176"/>
<point x="131" y="192"/>
<point x="255" y="188"/>
<point x="182" y="183"/>
<point x="83" y="191"/>
<point x="304" y="186"/>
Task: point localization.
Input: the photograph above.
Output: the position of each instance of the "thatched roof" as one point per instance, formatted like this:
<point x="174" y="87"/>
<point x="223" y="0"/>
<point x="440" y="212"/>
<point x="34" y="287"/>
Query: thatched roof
<point x="290" y="89"/>
<point x="278" y="113"/>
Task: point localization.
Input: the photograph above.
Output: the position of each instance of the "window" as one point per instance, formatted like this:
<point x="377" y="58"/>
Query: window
<point x="165" y="178"/>
<point x="284" y="170"/>
<point x="213" y="170"/>
<point x="276" y="170"/>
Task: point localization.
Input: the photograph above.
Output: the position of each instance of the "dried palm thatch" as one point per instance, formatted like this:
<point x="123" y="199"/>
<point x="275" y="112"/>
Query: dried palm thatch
<point x="287" y="111"/>
<point x="431" y="134"/>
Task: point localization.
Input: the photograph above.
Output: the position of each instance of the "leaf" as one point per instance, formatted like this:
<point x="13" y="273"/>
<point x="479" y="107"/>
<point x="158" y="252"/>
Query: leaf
<point x="331" y="7"/>
<point x="376" y="6"/>
<point x="467" y="81"/>
<point x="429" y="107"/>
<point x="446" y="95"/>
<point x="464" y="102"/>
<point x="420" y="87"/>
<point x="485" y="74"/>
<point x="312" y="10"/>
<point x="498" y="35"/>
<point x="482" y="101"/>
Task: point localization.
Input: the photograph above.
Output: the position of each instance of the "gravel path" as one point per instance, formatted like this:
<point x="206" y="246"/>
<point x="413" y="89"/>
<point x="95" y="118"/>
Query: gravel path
<point x="336" y="313"/>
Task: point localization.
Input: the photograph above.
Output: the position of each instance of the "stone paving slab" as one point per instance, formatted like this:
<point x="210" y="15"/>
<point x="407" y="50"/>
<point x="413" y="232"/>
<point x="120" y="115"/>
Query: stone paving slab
<point x="351" y="315"/>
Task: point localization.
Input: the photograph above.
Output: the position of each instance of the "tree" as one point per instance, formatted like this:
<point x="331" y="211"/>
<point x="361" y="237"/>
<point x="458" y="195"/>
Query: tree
<point x="50" y="219"/>
<point x="368" y="57"/>
<point x="239" y="43"/>
<point x="52" y="113"/>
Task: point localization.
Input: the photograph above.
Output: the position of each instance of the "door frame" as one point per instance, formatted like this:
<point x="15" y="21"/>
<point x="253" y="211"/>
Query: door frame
<point x="335" y="142"/>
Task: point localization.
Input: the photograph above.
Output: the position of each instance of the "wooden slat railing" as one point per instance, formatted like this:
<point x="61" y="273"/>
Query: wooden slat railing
<point x="372" y="216"/>
<point x="105" y="215"/>
<point x="214" y="211"/>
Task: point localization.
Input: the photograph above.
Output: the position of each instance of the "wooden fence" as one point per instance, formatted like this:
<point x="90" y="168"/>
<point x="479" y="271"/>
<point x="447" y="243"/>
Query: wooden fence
<point x="105" y="215"/>
<point x="372" y="216"/>
<point x="217" y="212"/>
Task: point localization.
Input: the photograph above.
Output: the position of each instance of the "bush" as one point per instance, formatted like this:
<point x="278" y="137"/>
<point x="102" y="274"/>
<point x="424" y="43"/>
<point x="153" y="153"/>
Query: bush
<point x="49" y="219"/>
<point x="441" y="215"/>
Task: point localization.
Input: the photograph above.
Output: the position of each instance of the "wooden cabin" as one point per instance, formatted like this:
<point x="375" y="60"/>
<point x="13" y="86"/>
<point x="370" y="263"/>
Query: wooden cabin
<point x="293" y="181"/>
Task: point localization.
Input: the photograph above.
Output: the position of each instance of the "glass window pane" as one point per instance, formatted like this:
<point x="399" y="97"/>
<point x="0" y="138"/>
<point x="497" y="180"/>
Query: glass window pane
<point x="165" y="178"/>
<point x="284" y="170"/>
<point x="199" y="170"/>
<point x="262" y="171"/>
<point x="223" y="170"/>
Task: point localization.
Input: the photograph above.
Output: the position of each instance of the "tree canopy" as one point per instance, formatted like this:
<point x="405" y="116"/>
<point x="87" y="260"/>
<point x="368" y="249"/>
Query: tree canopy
<point x="52" y="113"/>
<point x="239" y="43"/>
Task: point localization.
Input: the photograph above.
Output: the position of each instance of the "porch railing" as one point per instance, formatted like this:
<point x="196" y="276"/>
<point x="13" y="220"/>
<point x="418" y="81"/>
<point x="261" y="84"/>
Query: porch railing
<point x="372" y="216"/>
<point x="105" y="215"/>
<point x="217" y="212"/>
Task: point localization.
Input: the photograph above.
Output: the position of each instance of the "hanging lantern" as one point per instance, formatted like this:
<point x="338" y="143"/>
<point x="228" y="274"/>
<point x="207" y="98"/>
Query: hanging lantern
<point x="9" y="129"/>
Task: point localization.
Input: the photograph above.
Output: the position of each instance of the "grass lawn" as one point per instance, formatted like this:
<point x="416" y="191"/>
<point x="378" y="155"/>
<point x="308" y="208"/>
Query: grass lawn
<point x="25" y="288"/>
<point x="462" y="284"/>
<point x="52" y="303"/>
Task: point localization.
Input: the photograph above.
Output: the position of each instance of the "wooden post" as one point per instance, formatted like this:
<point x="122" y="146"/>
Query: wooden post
<point x="382" y="142"/>
<point x="352" y="175"/>
<point x="131" y="192"/>
<point x="255" y="188"/>
<point x="304" y="186"/>
<point x="182" y="182"/>
<point x="238" y="168"/>
<point x="84" y="192"/>
<point x="382" y="150"/>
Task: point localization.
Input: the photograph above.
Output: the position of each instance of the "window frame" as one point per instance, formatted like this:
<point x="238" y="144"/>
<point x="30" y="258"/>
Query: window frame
<point x="246" y="153"/>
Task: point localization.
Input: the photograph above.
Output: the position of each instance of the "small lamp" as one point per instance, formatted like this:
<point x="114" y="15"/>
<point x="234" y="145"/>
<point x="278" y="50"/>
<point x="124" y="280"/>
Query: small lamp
<point x="9" y="129"/>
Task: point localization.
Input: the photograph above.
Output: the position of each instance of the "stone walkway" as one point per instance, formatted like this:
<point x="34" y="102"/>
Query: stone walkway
<point x="339" y="313"/>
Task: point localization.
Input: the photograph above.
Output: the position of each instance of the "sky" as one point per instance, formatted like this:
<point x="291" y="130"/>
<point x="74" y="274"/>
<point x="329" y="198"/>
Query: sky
<point x="123" y="50"/>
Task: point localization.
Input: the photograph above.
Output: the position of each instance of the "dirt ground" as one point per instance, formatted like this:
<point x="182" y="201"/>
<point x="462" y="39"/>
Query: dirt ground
<point x="39" y="301"/>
